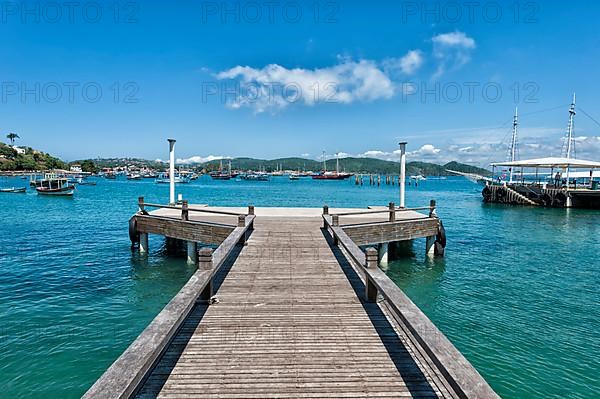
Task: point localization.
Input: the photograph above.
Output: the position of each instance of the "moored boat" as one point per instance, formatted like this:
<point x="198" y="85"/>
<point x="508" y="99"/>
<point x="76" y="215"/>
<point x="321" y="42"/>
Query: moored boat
<point x="16" y="190"/>
<point x="55" y="186"/>
<point x="335" y="175"/>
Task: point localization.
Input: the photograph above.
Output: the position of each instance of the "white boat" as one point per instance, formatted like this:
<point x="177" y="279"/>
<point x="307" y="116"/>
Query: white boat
<point x="55" y="186"/>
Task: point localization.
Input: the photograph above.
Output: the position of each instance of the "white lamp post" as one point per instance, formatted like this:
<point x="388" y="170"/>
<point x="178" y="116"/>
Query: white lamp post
<point x="402" y="181"/>
<point x="171" y="171"/>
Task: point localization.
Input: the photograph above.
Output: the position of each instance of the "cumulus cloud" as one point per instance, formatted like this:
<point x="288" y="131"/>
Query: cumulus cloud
<point x="427" y="150"/>
<point x="275" y="87"/>
<point x="200" y="159"/>
<point x="452" y="50"/>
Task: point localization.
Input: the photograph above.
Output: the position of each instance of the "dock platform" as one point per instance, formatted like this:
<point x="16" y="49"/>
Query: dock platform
<point x="288" y="305"/>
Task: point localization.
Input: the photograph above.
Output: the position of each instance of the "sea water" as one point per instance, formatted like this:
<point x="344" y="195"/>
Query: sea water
<point x="517" y="292"/>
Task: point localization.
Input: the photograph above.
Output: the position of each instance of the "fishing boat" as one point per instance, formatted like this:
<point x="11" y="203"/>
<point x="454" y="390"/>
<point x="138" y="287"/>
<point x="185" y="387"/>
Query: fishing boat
<point x="15" y="190"/>
<point x="335" y="175"/>
<point x="55" y="186"/>
<point x="294" y="176"/>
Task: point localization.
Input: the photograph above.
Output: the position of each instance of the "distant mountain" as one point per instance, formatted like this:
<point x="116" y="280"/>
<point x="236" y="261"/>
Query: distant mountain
<point x="354" y="165"/>
<point x="10" y="160"/>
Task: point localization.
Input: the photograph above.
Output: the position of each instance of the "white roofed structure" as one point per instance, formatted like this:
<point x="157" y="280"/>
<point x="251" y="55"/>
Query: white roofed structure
<point x="551" y="162"/>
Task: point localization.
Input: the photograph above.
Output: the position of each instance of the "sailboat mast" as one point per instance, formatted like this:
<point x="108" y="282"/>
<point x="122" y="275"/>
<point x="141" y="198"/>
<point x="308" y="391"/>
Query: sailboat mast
<point x="570" y="128"/>
<point x="337" y="162"/>
<point x="324" y="163"/>
<point x="513" y="144"/>
<point x="570" y="135"/>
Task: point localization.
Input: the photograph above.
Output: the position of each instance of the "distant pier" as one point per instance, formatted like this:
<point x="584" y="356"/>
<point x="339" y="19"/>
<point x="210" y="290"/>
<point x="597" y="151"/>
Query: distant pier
<point x="289" y="302"/>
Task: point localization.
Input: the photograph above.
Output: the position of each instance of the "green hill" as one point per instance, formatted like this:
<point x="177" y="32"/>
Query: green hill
<point x="354" y="165"/>
<point x="32" y="159"/>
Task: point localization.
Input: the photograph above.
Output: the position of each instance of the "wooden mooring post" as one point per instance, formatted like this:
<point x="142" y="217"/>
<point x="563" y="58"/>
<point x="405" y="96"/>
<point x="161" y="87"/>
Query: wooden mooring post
<point x="205" y="262"/>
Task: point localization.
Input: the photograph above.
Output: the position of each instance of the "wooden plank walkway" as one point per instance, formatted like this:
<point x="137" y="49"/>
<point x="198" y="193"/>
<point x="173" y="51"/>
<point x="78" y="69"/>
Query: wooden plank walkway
<point x="290" y="322"/>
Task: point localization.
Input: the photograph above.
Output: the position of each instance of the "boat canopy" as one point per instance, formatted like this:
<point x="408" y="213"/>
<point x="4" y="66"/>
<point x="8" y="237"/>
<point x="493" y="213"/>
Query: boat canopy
<point x="551" y="162"/>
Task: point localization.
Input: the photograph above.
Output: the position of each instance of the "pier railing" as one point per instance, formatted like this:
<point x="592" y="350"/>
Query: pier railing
<point x="179" y="225"/>
<point x="400" y="224"/>
<point x="125" y="375"/>
<point x="461" y="376"/>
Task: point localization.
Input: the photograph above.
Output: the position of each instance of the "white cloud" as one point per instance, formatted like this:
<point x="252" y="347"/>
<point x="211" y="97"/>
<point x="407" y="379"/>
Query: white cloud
<point x="305" y="155"/>
<point x="427" y="150"/>
<point x="454" y="39"/>
<point x="453" y="50"/>
<point x="275" y="87"/>
<point x="373" y="154"/>
<point x="408" y="64"/>
<point x="200" y="159"/>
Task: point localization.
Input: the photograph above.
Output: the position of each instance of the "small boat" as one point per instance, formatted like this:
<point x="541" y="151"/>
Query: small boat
<point x="294" y="176"/>
<point x="55" y="186"/>
<point x="134" y="176"/>
<point x="257" y="176"/>
<point x="87" y="183"/>
<point x="164" y="179"/>
<point x="13" y="190"/>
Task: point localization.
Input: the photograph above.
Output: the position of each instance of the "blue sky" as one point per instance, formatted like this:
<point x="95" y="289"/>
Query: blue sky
<point x="335" y="76"/>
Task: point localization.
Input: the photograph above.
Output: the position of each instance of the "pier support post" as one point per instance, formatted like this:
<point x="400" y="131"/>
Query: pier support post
<point x="335" y="222"/>
<point x="185" y="213"/>
<point x="430" y="246"/>
<point x="382" y="252"/>
<point x="250" y="209"/>
<point x="192" y="253"/>
<point x="141" y="204"/>
<point x="143" y="243"/>
<point x="371" y="263"/>
<point x="325" y="212"/>
<point x="392" y="208"/>
<point x="432" y="212"/>
<point x="205" y="262"/>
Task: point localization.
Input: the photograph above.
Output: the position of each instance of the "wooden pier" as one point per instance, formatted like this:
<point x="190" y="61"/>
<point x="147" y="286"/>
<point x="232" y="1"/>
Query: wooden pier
<point x="289" y="305"/>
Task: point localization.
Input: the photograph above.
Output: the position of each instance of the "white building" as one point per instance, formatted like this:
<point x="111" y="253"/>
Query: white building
<point x="19" y="150"/>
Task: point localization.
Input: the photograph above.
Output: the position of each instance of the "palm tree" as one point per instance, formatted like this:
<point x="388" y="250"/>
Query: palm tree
<point x="12" y="137"/>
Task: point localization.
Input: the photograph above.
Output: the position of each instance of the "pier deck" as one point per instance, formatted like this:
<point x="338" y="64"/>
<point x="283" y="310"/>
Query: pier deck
<point x="288" y="324"/>
<point x="298" y="311"/>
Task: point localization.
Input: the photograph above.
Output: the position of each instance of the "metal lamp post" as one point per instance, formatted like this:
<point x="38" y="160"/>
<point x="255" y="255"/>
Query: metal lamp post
<point x="171" y="171"/>
<point x="402" y="181"/>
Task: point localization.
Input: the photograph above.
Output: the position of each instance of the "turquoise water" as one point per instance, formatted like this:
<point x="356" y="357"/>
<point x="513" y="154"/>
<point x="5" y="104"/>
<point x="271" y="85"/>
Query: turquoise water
<point x="518" y="291"/>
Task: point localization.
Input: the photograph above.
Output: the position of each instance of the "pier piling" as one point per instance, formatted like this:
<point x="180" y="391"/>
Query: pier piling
<point x="370" y="263"/>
